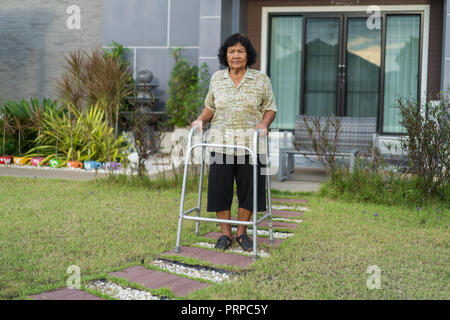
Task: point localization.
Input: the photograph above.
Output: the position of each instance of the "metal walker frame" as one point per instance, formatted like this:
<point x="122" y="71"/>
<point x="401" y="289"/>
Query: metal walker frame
<point x="197" y="209"/>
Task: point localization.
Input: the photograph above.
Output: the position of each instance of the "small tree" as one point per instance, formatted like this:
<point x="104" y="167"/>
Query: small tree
<point x="188" y="86"/>
<point x="427" y="140"/>
<point x="323" y="142"/>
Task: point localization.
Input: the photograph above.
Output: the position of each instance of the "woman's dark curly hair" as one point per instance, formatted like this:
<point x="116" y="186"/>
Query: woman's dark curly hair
<point x="235" y="39"/>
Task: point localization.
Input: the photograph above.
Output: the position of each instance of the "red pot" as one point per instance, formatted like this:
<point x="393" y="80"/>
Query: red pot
<point x="6" y="160"/>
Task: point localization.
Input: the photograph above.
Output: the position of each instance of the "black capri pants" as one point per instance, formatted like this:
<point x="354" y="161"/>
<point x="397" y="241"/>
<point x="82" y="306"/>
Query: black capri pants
<point x="223" y="171"/>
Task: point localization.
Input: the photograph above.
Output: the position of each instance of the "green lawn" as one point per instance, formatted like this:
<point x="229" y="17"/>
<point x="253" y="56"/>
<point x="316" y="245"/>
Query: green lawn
<point x="48" y="225"/>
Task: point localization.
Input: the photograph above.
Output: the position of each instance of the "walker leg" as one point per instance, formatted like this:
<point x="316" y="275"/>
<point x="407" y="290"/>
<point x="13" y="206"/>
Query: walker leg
<point x="255" y="203"/>
<point x="183" y="192"/>
<point x="269" y="203"/>
<point x="200" y="186"/>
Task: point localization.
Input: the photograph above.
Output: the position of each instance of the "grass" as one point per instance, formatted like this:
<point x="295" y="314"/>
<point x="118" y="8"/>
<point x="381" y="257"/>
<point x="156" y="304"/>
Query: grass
<point x="48" y="225"/>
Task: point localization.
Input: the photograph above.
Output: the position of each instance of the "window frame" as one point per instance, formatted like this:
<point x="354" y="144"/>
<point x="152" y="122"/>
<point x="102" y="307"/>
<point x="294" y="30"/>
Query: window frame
<point x="343" y="37"/>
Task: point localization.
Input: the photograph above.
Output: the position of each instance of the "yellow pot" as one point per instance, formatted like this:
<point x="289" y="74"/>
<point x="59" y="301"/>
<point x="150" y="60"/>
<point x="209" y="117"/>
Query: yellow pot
<point x="21" y="160"/>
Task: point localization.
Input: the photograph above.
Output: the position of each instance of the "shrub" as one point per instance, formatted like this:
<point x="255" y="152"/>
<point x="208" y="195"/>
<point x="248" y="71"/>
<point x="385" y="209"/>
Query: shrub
<point x="97" y="77"/>
<point x="188" y="87"/>
<point x="21" y="123"/>
<point x="427" y="141"/>
<point x="79" y="136"/>
<point x="324" y="138"/>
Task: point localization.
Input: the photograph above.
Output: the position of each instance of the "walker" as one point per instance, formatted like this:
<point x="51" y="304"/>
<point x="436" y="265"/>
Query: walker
<point x="197" y="209"/>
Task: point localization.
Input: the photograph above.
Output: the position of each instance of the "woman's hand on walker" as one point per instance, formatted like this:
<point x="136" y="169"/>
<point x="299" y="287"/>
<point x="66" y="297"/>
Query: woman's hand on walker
<point x="264" y="128"/>
<point x="198" y="123"/>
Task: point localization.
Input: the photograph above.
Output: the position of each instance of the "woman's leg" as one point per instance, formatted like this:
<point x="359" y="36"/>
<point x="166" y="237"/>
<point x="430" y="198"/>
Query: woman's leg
<point x="243" y="215"/>
<point x="225" y="227"/>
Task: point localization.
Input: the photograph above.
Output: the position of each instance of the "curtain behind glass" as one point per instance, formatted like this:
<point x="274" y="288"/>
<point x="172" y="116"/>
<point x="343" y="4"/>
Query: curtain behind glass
<point x="401" y="66"/>
<point x="285" y="69"/>
<point x="363" y="69"/>
<point x="322" y="56"/>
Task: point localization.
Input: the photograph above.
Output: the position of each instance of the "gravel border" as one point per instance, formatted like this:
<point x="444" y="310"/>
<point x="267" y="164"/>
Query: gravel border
<point x="198" y="272"/>
<point x="282" y="207"/>
<point x="118" y="292"/>
<point x="287" y="220"/>
<point x="261" y="253"/>
<point x="276" y="235"/>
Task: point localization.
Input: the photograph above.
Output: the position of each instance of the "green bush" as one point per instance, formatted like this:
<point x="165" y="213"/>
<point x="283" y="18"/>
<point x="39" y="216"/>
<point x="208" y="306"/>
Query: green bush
<point x="21" y="124"/>
<point x="97" y="77"/>
<point x="384" y="186"/>
<point x="427" y="141"/>
<point x="79" y="136"/>
<point x="188" y="87"/>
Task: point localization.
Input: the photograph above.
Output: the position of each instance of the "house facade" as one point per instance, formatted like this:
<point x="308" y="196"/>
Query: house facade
<point x="343" y="57"/>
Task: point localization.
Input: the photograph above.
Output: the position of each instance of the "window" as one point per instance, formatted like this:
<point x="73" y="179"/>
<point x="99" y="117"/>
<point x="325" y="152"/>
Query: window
<point x="323" y="64"/>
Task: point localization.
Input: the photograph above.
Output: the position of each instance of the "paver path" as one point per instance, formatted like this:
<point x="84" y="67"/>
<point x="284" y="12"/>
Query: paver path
<point x="180" y="285"/>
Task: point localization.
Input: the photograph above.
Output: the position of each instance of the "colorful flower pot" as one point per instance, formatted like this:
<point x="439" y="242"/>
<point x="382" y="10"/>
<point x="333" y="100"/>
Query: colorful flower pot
<point x="74" y="164"/>
<point x="36" y="161"/>
<point x="92" y="165"/>
<point x="54" y="163"/>
<point x="112" y="165"/>
<point x="21" y="160"/>
<point x="6" y="159"/>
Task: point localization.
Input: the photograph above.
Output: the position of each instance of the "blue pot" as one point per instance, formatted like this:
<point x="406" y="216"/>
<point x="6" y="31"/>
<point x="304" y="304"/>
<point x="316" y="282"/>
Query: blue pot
<point x="92" y="165"/>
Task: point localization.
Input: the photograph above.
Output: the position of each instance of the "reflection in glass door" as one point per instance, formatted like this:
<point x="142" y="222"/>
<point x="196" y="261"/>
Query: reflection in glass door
<point x="321" y="60"/>
<point x="363" y="61"/>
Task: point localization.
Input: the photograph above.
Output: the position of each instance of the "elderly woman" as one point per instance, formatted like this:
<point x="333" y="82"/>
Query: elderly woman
<point x="239" y="101"/>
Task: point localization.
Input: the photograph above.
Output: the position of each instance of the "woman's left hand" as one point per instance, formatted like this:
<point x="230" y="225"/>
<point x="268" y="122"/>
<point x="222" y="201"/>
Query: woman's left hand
<point x="264" y="128"/>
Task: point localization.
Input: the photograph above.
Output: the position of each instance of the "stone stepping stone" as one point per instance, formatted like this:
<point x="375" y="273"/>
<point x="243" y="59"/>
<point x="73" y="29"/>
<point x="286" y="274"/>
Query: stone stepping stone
<point x="287" y="214"/>
<point x="275" y="224"/>
<point x="212" y="256"/>
<point x="279" y="224"/>
<point x="216" y="235"/>
<point x="65" y="294"/>
<point x="153" y="279"/>
<point x="297" y="201"/>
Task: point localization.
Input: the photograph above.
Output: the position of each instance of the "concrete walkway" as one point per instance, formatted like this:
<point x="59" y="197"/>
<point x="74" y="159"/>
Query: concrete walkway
<point x="302" y="180"/>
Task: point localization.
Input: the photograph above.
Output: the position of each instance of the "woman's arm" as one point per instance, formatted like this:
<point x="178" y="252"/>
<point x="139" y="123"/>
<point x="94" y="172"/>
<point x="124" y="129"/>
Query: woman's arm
<point x="204" y="117"/>
<point x="268" y="117"/>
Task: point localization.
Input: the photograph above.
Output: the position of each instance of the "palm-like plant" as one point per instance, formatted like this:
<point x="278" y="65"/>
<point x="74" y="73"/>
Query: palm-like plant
<point x="6" y="122"/>
<point x="96" y="78"/>
<point x="20" y="121"/>
<point x="71" y="88"/>
<point x="80" y="136"/>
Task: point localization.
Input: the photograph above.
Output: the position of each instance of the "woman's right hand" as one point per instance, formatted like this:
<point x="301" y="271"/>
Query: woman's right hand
<point x="198" y="123"/>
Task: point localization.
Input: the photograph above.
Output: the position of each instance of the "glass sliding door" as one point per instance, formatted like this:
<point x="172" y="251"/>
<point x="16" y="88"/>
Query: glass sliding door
<point x="285" y="68"/>
<point x="363" y="65"/>
<point x="321" y="61"/>
<point x="401" y="70"/>
<point x="332" y="63"/>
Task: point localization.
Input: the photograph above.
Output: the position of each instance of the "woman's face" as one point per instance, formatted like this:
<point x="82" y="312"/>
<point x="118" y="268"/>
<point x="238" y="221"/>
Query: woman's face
<point x="237" y="57"/>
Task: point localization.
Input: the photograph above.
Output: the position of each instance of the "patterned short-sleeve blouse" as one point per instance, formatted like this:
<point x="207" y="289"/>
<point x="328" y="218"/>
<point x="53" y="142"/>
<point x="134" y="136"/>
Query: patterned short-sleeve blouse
<point x="238" y="110"/>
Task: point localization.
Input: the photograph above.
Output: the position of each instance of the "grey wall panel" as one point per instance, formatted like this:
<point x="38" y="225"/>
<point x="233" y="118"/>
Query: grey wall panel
<point x="34" y="40"/>
<point x="184" y="22"/>
<point x="210" y="37"/>
<point x="225" y="30"/>
<point x="160" y="62"/>
<point x="210" y="7"/>
<point x="213" y="64"/>
<point x="135" y="22"/>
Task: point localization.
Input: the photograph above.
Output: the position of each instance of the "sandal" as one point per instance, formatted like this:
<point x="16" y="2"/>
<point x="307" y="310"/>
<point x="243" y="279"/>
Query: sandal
<point x="224" y="242"/>
<point x="246" y="242"/>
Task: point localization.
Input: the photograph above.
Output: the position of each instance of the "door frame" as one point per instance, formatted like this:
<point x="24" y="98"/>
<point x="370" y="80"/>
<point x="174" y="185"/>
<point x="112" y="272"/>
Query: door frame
<point x="424" y="10"/>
